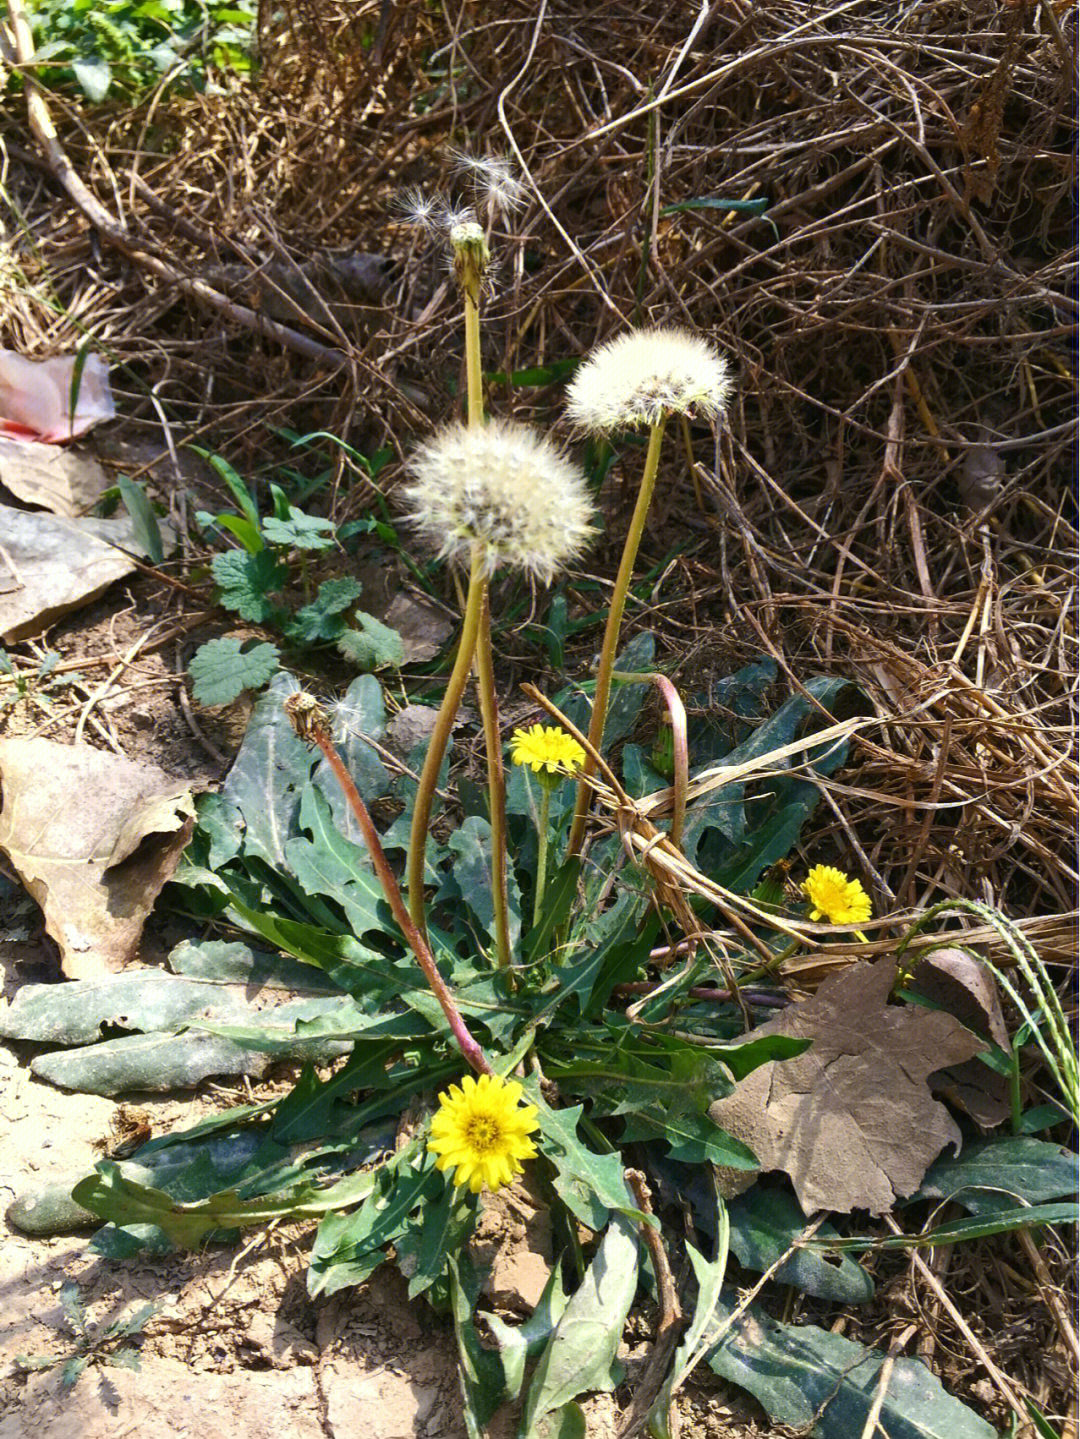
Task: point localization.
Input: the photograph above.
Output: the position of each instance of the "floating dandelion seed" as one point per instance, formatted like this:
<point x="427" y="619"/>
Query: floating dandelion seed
<point x="426" y="212"/>
<point x="493" y="178"/>
<point x="641" y="377"/>
<point x="504" y="488"/>
<point x="546" y="748"/>
<point x="481" y="1132"/>
<point x="834" y="897"/>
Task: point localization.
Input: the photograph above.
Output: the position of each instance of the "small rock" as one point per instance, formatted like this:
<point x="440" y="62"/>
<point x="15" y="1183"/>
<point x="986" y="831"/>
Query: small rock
<point x="410" y="727"/>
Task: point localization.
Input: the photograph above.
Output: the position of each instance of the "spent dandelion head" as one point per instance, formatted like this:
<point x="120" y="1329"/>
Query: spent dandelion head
<point x="547" y="750"/>
<point x="470" y="256"/>
<point x="639" y="378"/>
<point x="501" y="487"/>
<point x="481" y="1131"/>
<point x="835" y="897"/>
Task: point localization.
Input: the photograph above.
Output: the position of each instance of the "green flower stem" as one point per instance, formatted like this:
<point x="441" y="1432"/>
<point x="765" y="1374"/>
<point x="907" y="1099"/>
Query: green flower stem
<point x="310" y="724"/>
<point x="440" y="738"/>
<point x="489" y="709"/>
<point x="473" y="376"/>
<point x="470" y="261"/>
<point x="542" y="850"/>
<point x="470" y="271"/>
<point x="773" y="964"/>
<point x="611" y="631"/>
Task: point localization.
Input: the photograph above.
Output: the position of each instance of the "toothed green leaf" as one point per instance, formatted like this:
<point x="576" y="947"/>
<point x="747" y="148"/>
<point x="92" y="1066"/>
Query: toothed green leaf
<point x="321" y="620"/>
<point x="372" y="645"/>
<point x="299" y="531"/>
<point x="222" y="669"/>
<point x="247" y="581"/>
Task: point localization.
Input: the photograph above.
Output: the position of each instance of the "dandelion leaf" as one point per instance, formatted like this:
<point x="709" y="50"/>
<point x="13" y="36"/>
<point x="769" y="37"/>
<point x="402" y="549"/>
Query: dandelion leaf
<point x="825" y="1385"/>
<point x="581" y="1352"/>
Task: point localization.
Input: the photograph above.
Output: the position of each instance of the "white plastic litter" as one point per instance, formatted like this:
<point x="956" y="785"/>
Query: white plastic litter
<point x="35" y="397"/>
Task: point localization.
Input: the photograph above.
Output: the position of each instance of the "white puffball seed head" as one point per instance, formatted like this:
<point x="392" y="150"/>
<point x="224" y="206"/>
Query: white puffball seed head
<point x="640" y="377"/>
<point x="505" y="488"/>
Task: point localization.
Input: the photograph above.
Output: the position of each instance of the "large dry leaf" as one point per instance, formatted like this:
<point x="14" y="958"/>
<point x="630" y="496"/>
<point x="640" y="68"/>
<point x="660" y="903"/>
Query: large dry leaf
<point x="93" y="838"/>
<point x="956" y="981"/>
<point x="851" y="1120"/>
<point x="36" y="396"/>
<point x="64" y="481"/>
<point x="50" y="565"/>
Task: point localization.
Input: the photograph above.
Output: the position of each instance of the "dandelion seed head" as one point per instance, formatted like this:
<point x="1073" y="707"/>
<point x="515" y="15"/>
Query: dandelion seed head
<point x="505" y="488"/>
<point x="467" y="232"/>
<point x="638" y="378"/>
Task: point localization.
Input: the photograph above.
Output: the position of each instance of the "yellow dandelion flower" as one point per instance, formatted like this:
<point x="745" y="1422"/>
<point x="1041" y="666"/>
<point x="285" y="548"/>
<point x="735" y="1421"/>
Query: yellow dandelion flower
<point x="548" y="749"/>
<point x="834" y="897"/>
<point x="481" y="1132"/>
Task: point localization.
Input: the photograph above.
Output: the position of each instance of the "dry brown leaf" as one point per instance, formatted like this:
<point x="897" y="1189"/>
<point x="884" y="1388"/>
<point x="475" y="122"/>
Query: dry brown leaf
<point x="851" y="1120"/>
<point x="66" y="482"/>
<point x="93" y="837"/>
<point x="961" y="984"/>
<point x="423" y="628"/>
<point x="50" y="565"/>
<point x="36" y="399"/>
<point x="411" y="726"/>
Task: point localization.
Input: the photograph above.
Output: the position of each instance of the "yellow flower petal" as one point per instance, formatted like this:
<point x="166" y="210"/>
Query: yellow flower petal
<point x="547" y="748"/>
<point x="835" y="897"/>
<point x="481" y="1132"/>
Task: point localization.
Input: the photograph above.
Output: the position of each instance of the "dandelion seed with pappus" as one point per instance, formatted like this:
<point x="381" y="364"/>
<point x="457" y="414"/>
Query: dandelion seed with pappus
<point x="501" y="492"/>
<point x="493" y="178"/>
<point x="426" y="212"/>
<point x="641" y="378"/>
<point x="481" y="1132"/>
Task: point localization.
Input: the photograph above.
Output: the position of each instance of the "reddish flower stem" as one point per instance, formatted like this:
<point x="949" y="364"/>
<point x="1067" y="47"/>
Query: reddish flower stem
<point x="308" y="721"/>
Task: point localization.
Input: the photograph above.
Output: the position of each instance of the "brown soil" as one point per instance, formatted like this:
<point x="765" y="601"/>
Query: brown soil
<point x="237" y="1347"/>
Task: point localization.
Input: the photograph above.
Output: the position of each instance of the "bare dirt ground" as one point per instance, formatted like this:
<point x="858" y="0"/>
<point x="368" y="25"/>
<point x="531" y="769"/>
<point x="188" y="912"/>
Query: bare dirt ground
<point x="236" y="1346"/>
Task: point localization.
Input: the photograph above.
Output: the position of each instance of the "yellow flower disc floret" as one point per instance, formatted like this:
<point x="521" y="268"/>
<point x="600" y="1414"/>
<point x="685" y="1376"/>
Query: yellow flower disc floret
<point x="546" y="748"/>
<point x="481" y="1132"/>
<point x="834" y="897"/>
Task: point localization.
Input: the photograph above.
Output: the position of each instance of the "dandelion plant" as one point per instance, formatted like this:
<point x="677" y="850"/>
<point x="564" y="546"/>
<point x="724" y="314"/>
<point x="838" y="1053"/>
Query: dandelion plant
<point x="552" y="755"/>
